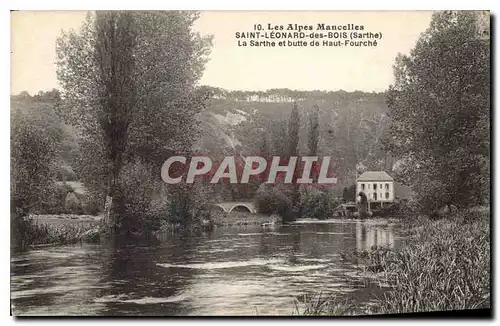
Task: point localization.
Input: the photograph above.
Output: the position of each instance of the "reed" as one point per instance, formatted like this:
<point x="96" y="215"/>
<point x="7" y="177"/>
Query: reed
<point x="444" y="265"/>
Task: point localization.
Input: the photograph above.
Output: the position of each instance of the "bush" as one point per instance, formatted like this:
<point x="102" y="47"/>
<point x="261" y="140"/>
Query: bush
<point x="91" y="203"/>
<point x="138" y="187"/>
<point x="187" y="205"/>
<point x="149" y="203"/>
<point x="317" y="204"/>
<point x="65" y="173"/>
<point x="72" y="204"/>
<point x="271" y="200"/>
<point x="54" y="200"/>
<point x="156" y="213"/>
<point x="349" y="193"/>
<point x="33" y="146"/>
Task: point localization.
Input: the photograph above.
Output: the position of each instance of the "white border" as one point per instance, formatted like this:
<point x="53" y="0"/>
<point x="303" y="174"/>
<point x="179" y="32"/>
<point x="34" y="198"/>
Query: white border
<point x="365" y="5"/>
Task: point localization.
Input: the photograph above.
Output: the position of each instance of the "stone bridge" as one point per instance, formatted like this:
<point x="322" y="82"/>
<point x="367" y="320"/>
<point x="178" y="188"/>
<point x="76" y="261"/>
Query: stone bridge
<point x="228" y="207"/>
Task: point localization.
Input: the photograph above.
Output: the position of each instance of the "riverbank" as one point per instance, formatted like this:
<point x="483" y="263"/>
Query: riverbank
<point x="62" y="229"/>
<point x="72" y="228"/>
<point x="36" y="231"/>
<point x="444" y="265"/>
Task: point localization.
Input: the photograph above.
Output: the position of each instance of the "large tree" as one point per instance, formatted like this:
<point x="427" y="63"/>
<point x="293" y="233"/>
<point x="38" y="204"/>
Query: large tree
<point x="313" y="131"/>
<point x="439" y="105"/>
<point x="129" y="87"/>
<point x="293" y="131"/>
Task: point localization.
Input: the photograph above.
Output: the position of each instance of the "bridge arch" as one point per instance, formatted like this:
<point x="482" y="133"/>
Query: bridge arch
<point x="242" y="208"/>
<point x="218" y="208"/>
<point x="228" y="207"/>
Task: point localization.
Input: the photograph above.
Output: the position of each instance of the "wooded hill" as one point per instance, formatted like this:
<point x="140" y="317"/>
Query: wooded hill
<point x="351" y="127"/>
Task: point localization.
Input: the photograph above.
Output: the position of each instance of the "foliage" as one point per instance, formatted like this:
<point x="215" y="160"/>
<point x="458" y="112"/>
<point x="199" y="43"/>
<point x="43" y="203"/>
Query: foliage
<point x="34" y="143"/>
<point x="350" y="129"/>
<point x="446" y="266"/>
<point x="279" y="135"/>
<point x="316" y="204"/>
<point x="440" y="105"/>
<point x="349" y="193"/>
<point x="128" y="83"/>
<point x="139" y="188"/>
<point x="72" y="204"/>
<point x="91" y="203"/>
<point x="313" y="134"/>
<point x="90" y="165"/>
<point x="187" y="203"/>
<point x="293" y="131"/>
<point x="272" y="200"/>
<point x="65" y="172"/>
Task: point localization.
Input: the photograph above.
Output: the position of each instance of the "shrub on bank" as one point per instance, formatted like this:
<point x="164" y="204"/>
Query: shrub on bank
<point x="316" y="204"/>
<point x="271" y="200"/>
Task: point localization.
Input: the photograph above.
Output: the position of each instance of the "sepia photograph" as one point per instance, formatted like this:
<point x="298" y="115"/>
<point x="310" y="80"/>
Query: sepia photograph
<point x="250" y="163"/>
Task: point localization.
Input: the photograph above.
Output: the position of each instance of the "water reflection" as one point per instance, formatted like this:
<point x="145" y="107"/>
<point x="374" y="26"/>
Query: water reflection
<point x="369" y="235"/>
<point x="231" y="271"/>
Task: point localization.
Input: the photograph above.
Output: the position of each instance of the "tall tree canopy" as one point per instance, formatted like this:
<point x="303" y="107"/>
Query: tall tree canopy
<point x="313" y="131"/>
<point x="129" y="86"/>
<point x="293" y="131"/>
<point x="439" y="105"/>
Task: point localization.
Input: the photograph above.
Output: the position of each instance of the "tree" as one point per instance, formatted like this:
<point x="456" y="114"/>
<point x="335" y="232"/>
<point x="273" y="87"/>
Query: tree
<point x="114" y="51"/>
<point x="128" y="82"/>
<point x="293" y="131"/>
<point x="34" y="144"/>
<point x="293" y="144"/>
<point x="313" y="132"/>
<point x="279" y="136"/>
<point x="439" y="105"/>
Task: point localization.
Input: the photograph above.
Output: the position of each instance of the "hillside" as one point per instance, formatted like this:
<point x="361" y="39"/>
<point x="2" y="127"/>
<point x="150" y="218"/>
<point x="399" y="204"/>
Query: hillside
<point x="352" y="124"/>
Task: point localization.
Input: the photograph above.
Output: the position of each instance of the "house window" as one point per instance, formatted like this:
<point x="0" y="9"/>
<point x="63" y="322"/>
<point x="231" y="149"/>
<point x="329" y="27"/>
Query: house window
<point x="362" y="186"/>
<point x="386" y="186"/>
<point x="386" y="195"/>
<point x="380" y="186"/>
<point x="374" y="196"/>
<point x="374" y="186"/>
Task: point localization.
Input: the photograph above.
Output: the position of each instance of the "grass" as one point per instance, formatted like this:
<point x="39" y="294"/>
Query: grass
<point x="321" y="304"/>
<point x="445" y="265"/>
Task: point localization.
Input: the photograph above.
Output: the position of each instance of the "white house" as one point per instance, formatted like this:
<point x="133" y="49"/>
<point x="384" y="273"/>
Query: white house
<point x="377" y="185"/>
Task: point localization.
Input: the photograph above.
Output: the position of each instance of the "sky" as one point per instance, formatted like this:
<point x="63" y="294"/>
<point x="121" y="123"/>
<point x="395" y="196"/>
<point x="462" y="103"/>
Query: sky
<point x="233" y="67"/>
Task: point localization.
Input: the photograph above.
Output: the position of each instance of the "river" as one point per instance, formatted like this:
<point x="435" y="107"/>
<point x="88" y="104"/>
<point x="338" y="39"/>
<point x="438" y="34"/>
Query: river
<point x="244" y="270"/>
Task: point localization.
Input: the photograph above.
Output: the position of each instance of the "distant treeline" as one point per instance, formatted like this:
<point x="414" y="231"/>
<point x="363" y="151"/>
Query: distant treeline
<point x="288" y="95"/>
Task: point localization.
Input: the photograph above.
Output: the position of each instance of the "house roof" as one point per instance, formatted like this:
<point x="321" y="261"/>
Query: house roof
<point x="375" y="176"/>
